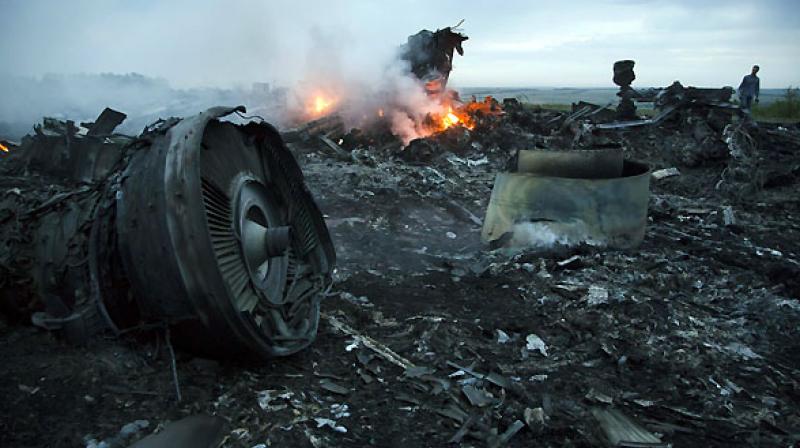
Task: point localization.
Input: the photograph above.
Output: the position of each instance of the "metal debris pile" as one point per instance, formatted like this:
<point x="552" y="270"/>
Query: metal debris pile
<point x="685" y="340"/>
<point x="198" y="227"/>
<point x="428" y="337"/>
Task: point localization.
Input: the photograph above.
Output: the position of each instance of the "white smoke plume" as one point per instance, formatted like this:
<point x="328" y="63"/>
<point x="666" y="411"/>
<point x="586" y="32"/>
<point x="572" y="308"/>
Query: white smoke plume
<point x="361" y="92"/>
<point x="176" y="59"/>
<point x="546" y="235"/>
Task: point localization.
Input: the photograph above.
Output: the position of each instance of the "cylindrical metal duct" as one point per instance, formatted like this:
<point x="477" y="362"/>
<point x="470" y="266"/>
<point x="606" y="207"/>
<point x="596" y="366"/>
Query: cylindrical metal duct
<point x="568" y="198"/>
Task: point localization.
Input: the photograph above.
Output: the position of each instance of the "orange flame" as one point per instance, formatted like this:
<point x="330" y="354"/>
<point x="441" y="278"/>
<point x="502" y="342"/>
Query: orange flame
<point x="321" y="104"/>
<point x="465" y="114"/>
<point x="434" y="86"/>
<point x="450" y="119"/>
<point x="3" y="147"/>
<point x="317" y="104"/>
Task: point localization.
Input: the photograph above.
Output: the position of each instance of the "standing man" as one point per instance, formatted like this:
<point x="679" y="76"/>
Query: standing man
<point x="749" y="88"/>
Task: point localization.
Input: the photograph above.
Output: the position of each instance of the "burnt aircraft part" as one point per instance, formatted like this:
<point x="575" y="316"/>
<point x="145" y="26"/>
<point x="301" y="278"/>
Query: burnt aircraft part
<point x="199" y="224"/>
<point x="430" y="56"/>
<point x="577" y="163"/>
<point x="623" y="77"/>
<point x="221" y="237"/>
<point x="56" y="262"/>
<point x="623" y="73"/>
<point x="604" y="211"/>
<point x="263" y="240"/>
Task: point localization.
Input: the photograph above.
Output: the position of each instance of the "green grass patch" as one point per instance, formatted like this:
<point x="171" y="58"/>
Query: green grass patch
<point x="786" y="109"/>
<point x="549" y="106"/>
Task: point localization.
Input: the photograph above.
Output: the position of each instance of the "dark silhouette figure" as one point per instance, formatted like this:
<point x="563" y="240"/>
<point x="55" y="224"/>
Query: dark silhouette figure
<point x="749" y="89"/>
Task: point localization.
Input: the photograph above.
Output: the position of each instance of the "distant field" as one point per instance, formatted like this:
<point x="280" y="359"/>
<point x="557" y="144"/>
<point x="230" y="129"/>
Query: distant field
<point x="146" y="104"/>
<point x="573" y="95"/>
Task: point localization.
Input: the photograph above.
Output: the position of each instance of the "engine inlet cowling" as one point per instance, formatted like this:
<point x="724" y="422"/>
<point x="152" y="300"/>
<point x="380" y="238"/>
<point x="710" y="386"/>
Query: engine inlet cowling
<point x="208" y="226"/>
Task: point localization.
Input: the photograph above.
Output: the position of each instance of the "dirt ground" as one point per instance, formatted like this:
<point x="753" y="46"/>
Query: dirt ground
<point x="693" y="335"/>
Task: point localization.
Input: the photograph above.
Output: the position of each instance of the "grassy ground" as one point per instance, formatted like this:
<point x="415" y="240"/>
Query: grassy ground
<point x="552" y="106"/>
<point x="568" y="108"/>
<point x="784" y="110"/>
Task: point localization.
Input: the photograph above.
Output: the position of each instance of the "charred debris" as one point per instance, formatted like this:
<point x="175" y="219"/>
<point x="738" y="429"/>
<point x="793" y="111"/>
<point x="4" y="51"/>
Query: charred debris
<point x="636" y="286"/>
<point x="430" y="56"/>
<point x="197" y="226"/>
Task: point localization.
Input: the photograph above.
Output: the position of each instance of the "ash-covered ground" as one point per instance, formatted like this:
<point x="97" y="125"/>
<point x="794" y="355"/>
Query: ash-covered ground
<point x="429" y="339"/>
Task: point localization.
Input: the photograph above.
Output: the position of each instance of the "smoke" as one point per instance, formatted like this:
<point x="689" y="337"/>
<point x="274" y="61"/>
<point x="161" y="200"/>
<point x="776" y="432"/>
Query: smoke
<point x="173" y="59"/>
<point x="546" y="235"/>
<point x="81" y="97"/>
<point x="361" y="91"/>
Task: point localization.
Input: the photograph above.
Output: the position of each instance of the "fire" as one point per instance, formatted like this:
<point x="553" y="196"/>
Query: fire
<point x="451" y="119"/>
<point x="434" y="86"/>
<point x="456" y="113"/>
<point x="321" y="104"/>
<point x="316" y="104"/>
<point x="465" y="114"/>
<point x="3" y="147"/>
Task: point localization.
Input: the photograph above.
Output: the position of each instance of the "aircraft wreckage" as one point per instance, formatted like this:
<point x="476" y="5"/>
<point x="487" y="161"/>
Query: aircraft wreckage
<point x="198" y="226"/>
<point x="203" y="230"/>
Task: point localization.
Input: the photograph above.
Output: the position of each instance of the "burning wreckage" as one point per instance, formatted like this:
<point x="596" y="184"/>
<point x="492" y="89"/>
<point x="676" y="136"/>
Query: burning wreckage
<point x="619" y="303"/>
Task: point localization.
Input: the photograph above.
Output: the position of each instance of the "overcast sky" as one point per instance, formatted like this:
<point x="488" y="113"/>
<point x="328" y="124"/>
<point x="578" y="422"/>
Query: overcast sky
<point x="512" y="42"/>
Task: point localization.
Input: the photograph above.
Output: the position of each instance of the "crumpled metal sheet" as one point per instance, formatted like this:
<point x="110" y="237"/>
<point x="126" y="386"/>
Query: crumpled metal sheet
<point x="53" y="191"/>
<point x="541" y="210"/>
